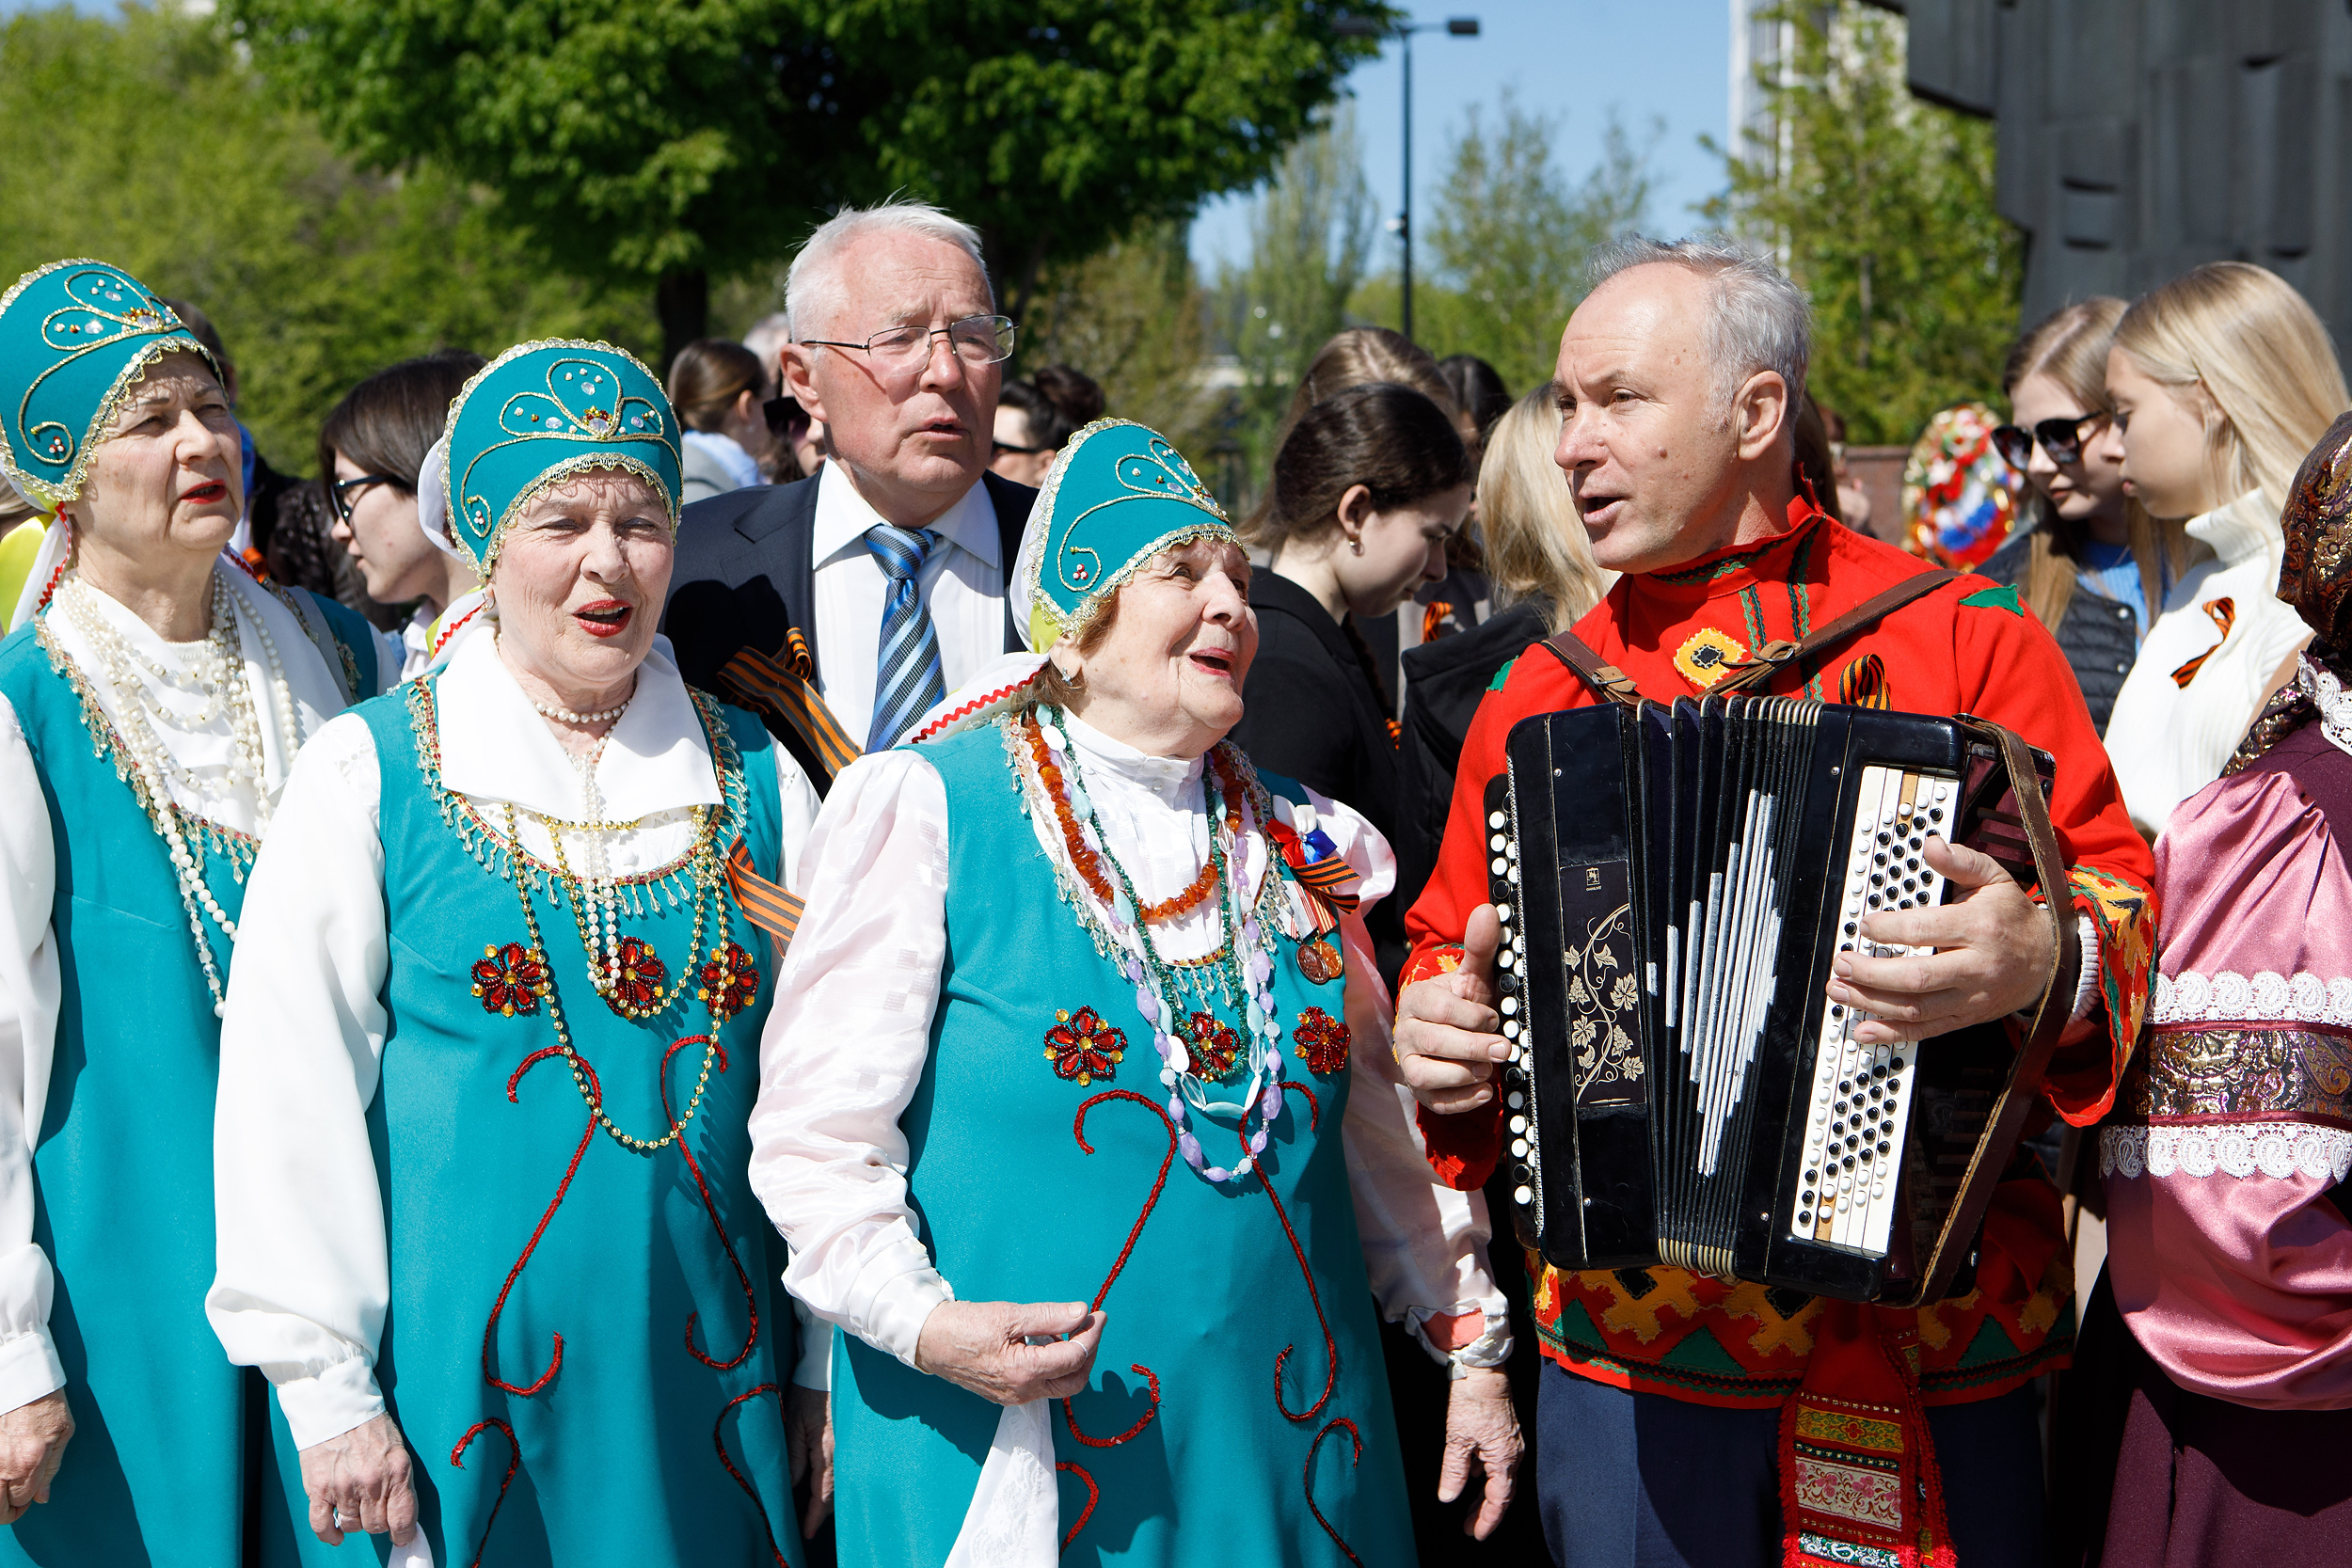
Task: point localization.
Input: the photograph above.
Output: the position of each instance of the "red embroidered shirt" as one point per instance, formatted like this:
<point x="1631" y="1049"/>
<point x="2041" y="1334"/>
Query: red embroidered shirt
<point x="1967" y="647"/>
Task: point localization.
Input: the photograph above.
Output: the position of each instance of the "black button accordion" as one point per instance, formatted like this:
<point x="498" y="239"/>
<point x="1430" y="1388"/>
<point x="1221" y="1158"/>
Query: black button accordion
<point x="1675" y="883"/>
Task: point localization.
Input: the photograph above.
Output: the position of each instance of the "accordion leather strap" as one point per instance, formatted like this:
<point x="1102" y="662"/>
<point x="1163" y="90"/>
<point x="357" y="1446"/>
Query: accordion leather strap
<point x="1612" y="685"/>
<point x="2049" y="1018"/>
<point x="1760" y="666"/>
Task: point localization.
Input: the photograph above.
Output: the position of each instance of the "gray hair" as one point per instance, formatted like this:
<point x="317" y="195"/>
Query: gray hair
<point x="767" y="338"/>
<point x="814" y="289"/>
<point x="1759" y="321"/>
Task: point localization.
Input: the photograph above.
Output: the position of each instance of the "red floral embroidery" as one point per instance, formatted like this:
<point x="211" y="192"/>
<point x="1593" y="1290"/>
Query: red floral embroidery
<point x="1081" y="1046"/>
<point x="1322" y="1040"/>
<point x="510" y="979"/>
<point x="730" y="982"/>
<point x="1215" y="1047"/>
<point x="642" y="974"/>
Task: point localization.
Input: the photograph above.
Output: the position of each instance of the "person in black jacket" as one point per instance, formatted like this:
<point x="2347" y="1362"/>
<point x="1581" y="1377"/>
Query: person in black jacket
<point x="1367" y="488"/>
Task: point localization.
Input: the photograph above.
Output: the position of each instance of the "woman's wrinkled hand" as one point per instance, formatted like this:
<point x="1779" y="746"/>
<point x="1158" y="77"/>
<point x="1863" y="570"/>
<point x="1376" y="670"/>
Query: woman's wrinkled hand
<point x="1481" y="1434"/>
<point x="360" y="1481"/>
<point x="808" y="1451"/>
<point x="32" y="1444"/>
<point x="984" y="1346"/>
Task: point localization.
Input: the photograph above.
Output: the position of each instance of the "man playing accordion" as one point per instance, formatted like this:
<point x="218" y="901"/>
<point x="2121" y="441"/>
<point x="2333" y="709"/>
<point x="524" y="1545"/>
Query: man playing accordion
<point x="1690" y="1419"/>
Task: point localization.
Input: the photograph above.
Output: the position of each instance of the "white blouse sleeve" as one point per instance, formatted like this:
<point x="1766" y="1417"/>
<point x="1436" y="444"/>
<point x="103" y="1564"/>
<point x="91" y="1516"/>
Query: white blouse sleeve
<point x="29" y="993"/>
<point x="302" y="1278"/>
<point x="1424" y="1244"/>
<point x="828" y="1158"/>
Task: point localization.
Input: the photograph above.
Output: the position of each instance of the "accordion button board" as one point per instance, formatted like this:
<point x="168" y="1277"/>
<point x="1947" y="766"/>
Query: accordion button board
<point x="1675" y="883"/>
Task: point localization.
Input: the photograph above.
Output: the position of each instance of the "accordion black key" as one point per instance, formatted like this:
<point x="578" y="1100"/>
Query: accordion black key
<point x="1675" y="883"/>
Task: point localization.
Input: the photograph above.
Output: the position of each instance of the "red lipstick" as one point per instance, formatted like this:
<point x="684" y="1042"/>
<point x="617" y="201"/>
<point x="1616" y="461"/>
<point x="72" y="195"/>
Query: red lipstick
<point x="206" y="493"/>
<point x="604" y="617"/>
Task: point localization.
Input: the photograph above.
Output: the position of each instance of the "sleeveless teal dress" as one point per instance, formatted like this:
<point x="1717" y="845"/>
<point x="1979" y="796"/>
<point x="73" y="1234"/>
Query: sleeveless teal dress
<point x="1239" y="1409"/>
<point x="585" y="1344"/>
<point x="157" y="1467"/>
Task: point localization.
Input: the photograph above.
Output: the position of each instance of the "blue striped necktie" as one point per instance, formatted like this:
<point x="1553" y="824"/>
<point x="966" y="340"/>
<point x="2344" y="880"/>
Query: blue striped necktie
<point x="908" y="681"/>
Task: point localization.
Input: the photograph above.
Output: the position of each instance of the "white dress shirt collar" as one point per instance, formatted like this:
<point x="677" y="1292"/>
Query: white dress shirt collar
<point x="495" y="747"/>
<point x="844" y="515"/>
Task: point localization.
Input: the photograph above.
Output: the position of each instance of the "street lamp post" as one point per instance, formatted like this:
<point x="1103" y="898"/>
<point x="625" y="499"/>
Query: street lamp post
<point x="1359" y="27"/>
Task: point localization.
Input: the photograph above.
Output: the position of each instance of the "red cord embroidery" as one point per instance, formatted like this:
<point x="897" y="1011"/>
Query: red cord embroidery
<point x="1081" y="1046"/>
<point x="710" y="1207"/>
<point x="491" y="1329"/>
<point x="1308" y="1479"/>
<point x="1095" y="1494"/>
<point x="1322" y="1040"/>
<point x="719" y="1441"/>
<point x="1314" y="1109"/>
<point x="513" y="1462"/>
<point x="1330" y="1346"/>
<point x="730" y="982"/>
<point x="510" y="979"/>
<point x="1213" y="1045"/>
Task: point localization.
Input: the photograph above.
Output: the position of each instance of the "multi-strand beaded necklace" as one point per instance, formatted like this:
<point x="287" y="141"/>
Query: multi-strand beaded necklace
<point x="1119" y="923"/>
<point x="226" y="687"/>
<point x="623" y="971"/>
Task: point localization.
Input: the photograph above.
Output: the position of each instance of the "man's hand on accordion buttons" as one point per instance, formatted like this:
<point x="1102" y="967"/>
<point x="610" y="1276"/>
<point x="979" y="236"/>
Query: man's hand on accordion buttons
<point x="1447" y="1039"/>
<point x="1993" y="946"/>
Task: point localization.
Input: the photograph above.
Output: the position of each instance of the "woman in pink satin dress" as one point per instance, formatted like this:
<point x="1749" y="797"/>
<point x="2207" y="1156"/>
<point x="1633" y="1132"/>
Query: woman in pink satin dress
<point x="2230" y="1254"/>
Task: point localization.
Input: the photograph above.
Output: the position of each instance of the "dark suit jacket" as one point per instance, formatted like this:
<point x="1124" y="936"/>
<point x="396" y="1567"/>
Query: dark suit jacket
<point x="744" y="577"/>
<point x="1312" y="710"/>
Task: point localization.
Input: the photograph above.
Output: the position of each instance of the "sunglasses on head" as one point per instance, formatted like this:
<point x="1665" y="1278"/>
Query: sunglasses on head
<point x="2062" y="438"/>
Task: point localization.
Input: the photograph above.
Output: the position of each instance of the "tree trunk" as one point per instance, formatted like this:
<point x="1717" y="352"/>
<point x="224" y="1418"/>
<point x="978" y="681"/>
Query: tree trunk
<point x="682" y="299"/>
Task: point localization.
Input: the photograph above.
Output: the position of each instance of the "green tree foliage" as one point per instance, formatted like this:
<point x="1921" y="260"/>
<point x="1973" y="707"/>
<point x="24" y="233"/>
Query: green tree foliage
<point x="1310" y="235"/>
<point x="1881" y="208"/>
<point x="141" y="140"/>
<point x="669" y="141"/>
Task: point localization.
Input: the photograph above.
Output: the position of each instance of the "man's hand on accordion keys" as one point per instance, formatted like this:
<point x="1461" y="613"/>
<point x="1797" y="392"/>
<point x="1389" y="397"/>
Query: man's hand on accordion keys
<point x="1448" y="1040"/>
<point x="1991" y="946"/>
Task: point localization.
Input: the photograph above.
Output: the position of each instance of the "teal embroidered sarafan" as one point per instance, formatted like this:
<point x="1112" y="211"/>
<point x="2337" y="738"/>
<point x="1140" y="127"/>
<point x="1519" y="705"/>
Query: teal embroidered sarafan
<point x="540" y="413"/>
<point x="73" y="335"/>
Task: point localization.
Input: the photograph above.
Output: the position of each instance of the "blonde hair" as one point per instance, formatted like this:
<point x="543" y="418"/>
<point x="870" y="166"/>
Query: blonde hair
<point x="2070" y="346"/>
<point x="2260" y="352"/>
<point x="1536" y="544"/>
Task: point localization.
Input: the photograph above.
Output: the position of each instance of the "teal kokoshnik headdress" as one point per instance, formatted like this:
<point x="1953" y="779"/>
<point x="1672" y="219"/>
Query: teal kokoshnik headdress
<point x="74" y="337"/>
<point x="1116" y="495"/>
<point x="533" y="417"/>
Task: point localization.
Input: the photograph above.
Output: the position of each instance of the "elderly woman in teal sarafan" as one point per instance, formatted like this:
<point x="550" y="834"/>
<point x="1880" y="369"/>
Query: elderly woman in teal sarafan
<point x="493" y="1041"/>
<point x="152" y="700"/>
<point x="1100" y="1190"/>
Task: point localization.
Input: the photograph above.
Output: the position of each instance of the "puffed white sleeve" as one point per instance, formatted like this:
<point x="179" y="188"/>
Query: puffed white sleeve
<point x="1424" y="1244"/>
<point x="29" y="994"/>
<point x="302" y="1279"/>
<point x="844" y="1049"/>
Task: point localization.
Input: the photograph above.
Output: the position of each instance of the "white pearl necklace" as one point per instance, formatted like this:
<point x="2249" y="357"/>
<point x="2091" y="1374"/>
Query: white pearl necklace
<point x="219" y="674"/>
<point x="597" y="887"/>
<point x="566" y="716"/>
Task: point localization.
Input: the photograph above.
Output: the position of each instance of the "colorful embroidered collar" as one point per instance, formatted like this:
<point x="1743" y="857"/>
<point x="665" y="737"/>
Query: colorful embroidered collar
<point x="1736" y="566"/>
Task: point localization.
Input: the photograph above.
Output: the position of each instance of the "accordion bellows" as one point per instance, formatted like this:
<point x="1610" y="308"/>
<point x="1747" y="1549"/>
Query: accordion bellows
<point x="1675" y="881"/>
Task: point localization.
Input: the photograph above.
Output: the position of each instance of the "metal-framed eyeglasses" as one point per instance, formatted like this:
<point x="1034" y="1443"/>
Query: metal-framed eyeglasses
<point x="975" y="339"/>
<point x="340" y="493"/>
<point x="2061" y="438"/>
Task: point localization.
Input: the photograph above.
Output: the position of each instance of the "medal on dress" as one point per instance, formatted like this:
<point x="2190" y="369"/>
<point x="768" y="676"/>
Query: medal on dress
<point x="1318" y="961"/>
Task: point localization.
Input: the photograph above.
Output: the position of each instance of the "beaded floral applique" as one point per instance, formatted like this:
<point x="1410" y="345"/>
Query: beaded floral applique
<point x="730" y="981"/>
<point x="1214" y="1044"/>
<point x="510" y="979"/>
<point x="1322" y="1040"/>
<point x="1081" y="1046"/>
<point x="637" y="979"/>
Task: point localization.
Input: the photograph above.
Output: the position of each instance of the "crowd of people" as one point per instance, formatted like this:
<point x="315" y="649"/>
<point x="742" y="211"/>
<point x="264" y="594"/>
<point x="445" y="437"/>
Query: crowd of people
<point x="745" y="967"/>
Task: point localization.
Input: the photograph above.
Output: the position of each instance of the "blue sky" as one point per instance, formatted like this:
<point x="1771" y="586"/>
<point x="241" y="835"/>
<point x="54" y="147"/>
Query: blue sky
<point x="1570" y="60"/>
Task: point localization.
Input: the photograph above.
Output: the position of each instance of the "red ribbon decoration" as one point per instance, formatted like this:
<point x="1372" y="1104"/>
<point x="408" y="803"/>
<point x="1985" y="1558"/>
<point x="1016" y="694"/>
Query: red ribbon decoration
<point x="1326" y="878"/>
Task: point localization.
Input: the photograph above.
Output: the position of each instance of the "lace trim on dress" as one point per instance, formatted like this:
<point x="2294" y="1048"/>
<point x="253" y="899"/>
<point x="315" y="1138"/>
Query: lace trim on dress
<point x="2319" y="683"/>
<point x="2228" y="997"/>
<point x="2274" y="1148"/>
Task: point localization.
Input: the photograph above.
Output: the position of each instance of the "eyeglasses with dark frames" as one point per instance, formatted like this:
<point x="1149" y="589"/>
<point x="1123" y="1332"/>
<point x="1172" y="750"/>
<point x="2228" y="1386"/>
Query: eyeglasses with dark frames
<point x="975" y="339"/>
<point x="340" y="493"/>
<point x="2061" y="438"/>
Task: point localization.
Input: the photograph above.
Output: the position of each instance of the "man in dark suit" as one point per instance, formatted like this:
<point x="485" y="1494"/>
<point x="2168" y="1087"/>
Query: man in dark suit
<point x="891" y="562"/>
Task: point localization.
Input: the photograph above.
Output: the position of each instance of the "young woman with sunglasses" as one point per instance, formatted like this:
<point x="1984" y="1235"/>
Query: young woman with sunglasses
<point x="370" y="451"/>
<point x="2092" y="562"/>
<point x="2220" y="381"/>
